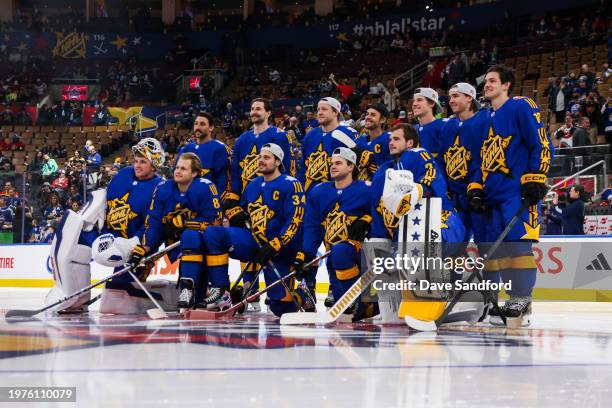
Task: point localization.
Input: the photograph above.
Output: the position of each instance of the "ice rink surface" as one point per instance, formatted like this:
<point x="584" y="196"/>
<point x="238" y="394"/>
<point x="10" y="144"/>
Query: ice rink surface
<point x="563" y="360"/>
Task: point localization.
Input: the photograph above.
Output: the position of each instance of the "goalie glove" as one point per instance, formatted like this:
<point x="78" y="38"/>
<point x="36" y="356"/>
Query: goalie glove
<point x="533" y="187"/>
<point x="173" y="228"/>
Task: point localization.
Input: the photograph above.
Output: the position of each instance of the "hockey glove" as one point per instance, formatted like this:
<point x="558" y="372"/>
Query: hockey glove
<point x="476" y="198"/>
<point x="138" y="254"/>
<point x="301" y="260"/>
<point x="174" y="227"/>
<point x="265" y="253"/>
<point x="359" y="229"/>
<point x="533" y="187"/>
<point x="236" y="217"/>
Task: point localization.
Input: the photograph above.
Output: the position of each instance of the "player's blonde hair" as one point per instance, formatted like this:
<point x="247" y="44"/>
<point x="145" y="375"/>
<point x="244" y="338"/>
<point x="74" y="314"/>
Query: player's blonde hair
<point x="196" y="164"/>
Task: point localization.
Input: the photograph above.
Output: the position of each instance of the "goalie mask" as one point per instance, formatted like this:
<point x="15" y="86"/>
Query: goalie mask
<point x="112" y="251"/>
<point x="152" y="150"/>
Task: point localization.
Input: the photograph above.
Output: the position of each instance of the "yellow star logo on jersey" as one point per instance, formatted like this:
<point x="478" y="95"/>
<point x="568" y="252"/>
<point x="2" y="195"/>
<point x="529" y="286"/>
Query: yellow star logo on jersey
<point x="317" y="166"/>
<point x="119" y="42"/>
<point x="259" y="214"/>
<point x="120" y="214"/>
<point x="204" y="172"/>
<point x="532" y="228"/>
<point x="457" y="159"/>
<point x="250" y="166"/>
<point x="389" y="219"/>
<point x="336" y="225"/>
<point x="493" y="154"/>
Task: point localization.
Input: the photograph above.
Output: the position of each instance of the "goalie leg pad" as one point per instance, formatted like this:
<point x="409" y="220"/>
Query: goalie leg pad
<point x="70" y="256"/>
<point x="119" y="301"/>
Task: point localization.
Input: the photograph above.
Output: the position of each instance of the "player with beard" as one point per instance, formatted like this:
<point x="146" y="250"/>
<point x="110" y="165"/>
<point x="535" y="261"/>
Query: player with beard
<point x="214" y="155"/>
<point x="374" y="139"/>
<point x="274" y="205"/>
<point x="245" y="159"/>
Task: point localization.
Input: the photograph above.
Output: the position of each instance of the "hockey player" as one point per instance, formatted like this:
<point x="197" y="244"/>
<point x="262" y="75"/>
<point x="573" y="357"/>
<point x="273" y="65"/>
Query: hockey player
<point x="337" y="214"/>
<point x="425" y="105"/>
<point x="214" y="155"/>
<point x="429" y="181"/>
<point x="121" y="211"/>
<point x="320" y="143"/>
<point x="375" y="139"/>
<point x="460" y="142"/>
<point x="516" y="156"/>
<point x="182" y="208"/>
<point x="245" y="154"/>
<point x="274" y="204"/>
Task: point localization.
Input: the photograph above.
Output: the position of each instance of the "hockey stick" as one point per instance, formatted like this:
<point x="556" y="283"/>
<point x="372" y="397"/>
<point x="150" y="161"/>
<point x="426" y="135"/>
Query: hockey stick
<point x="331" y="315"/>
<point x="17" y="314"/>
<point x="279" y="276"/>
<point x="242" y="272"/>
<point x="159" y="312"/>
<point x="434" y="325"/>
<point x="200" y="314"/>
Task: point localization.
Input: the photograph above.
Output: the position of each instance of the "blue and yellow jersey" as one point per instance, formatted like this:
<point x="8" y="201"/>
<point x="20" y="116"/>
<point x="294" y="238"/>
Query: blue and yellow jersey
<point x="330" y="211"/>
<point x="429" y="136"/>
<point x="199" y="204"/>
<point x="460" y="143"/>
<point x="379" y="147"/>
<point x="215" y="157"/>
<point x="516" y="143"/>
<point x="245" y="157"/>
<point x="308" y="124"/>
<point x="275" y="210"/>
<point x="424" y="170"/>
<point x="317" y="149"/>
<point x="127" y="202"/>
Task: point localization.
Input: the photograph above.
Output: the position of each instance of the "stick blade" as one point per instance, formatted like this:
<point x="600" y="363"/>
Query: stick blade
<point x="306" y="318"/>
<point x="421" y="325"/>
<point x="16" y="315"/>
<point x="156" y="314"/>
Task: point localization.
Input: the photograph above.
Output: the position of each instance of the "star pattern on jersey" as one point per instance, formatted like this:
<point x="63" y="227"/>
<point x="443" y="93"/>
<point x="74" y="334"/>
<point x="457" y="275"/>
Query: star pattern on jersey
<point x="416" y="236"/>
<point x="250" y="166"/>
<point x="317" y="166"/>
<point x="415" y="252"/>
<point x="259" y="214"/>
<point x="493" y="154"/>
<point x="416" y="221"/>
<point x="457" y="159"/>
<point x="120" y="214"/>
<point x="336" y="225"/>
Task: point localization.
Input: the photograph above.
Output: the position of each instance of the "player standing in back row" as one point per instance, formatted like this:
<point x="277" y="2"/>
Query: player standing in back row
<point x="516" y="156"/>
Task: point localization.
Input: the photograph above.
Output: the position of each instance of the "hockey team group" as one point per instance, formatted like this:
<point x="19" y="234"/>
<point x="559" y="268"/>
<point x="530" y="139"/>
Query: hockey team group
<point x="258" y="204"/>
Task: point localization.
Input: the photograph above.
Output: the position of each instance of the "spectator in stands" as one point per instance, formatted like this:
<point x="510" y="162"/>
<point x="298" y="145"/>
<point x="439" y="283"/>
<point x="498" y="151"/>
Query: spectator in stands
<point x="558" y="98"/>
<point x="35" y="232"/>
<point x="76" y="115"/>
<point x="59" y="150"/>
<point x="77" y="158"/>
<point x="572" y="217"/>
<point x="7" y="214"/>
<point x="85" y="150"/>
<point x="401" y="118"/>
<point x="54" y="210"/>
<point x="61" y="114"/>
<point x="44" y="115"/>
<point x="7" y="168"/>
<point x="309" y="123"/>
<point x="48" y="233"/>
<point x="101" y="115"/>
<point x="325" y="86"/>
<point x="564" y="134"/>
<point x="61" y="182"/>
<point x="429" y="78"/>
<point x="75" y="195"/>
<point x="94" y="159"/>
<point x="588" y="74"/>
<point x="75" y="206"/>
<point x="456" y="70"/>
<point x="607" y="120"/>
<point x="581" y="134"/>
<point x="346" y="91"/>
<point x="49" y="168"/>
<point x="295" y="129"/>
<point x="6" y="144"/>
<point x="40" y="87"/>
<point x="274" y="76"/>
<point x="554" y="213"/>
<point x="18" y="145"/>
<point x="398" y="42"/>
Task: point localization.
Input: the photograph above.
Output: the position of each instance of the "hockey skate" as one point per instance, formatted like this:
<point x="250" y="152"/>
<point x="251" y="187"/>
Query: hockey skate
<point x="517" y="310"/>
<point x="217" y="299"/>
<point x="186" y="293"/>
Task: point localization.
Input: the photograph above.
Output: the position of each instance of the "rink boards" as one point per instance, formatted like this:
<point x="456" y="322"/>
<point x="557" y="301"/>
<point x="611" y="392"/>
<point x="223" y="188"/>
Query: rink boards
<point x="569" y="268"/>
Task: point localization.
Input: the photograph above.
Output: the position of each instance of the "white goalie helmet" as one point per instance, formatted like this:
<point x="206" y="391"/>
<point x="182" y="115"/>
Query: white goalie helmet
<point x="112" y="251"/>
<point x="152" y="150"/>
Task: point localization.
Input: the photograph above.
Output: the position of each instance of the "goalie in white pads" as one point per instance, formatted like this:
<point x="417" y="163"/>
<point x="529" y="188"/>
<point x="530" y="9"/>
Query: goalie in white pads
<point x="395" y="193"/>
<point x="107" y="229"/>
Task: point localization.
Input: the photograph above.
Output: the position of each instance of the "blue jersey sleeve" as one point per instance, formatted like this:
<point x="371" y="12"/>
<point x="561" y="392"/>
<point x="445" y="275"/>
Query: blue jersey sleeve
<point x="313" y="229"/>
<point x="222" y="169"/>
<point x="235" y="179"/>
<point x="293" y="213"/>
<point x="153" y="223"/>
<point x="529" y="121"/>
<point x="208" y="205"/>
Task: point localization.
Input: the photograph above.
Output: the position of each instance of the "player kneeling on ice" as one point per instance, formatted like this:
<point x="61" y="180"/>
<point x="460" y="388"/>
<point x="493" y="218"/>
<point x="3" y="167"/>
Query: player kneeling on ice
<point x="181" y="209"/>
<point x="338" y="214"/>
<point x="400" y="191"/>
<point x="274" y="207"/>
<point x="107" y="228"/>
